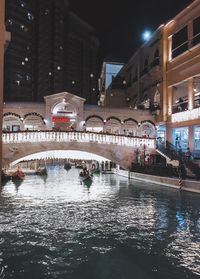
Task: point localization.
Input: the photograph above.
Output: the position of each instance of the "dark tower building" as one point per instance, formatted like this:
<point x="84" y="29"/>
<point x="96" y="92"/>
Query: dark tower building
<point x="51" y="50"/>
<point x="19" y="57"/>
<point x="81" y="51"/>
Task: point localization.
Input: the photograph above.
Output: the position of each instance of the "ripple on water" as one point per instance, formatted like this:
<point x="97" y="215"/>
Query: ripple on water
<point x="59" y="228"/>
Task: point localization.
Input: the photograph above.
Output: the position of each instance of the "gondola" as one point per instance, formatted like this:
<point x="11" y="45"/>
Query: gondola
<point x="67" y="166"/>
<point x="85" y="175"/>
<point x="18" y="175"/>
<point x="41" y="171"/>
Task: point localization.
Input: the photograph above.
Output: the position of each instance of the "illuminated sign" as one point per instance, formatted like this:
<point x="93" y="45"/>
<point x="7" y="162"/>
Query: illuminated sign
<point x="186" y="115"/>
<point x="57" y="119"/>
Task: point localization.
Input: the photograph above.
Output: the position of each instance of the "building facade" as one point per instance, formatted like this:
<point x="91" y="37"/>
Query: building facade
<point x="163" y="77"/>
<point x="67" y="112"/>
<point x="109" y="71"/>
<point x="51" y="50"/>
<point x="182" y="36"/>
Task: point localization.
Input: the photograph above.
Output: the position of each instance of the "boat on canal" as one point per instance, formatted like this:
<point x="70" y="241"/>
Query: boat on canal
<point x="85" y="175"/>
<point x="67" y="166"/>
<point x="41" y="171"/>
<point x="18" y="175"/>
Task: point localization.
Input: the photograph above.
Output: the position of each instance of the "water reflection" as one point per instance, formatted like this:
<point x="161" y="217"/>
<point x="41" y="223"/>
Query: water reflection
<point x="60" y="228"/>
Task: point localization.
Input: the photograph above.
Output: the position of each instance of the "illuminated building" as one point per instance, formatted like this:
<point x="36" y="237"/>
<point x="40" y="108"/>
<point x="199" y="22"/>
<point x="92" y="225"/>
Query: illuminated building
<point x="163" y="77"/>
<point x="182" y="105"/>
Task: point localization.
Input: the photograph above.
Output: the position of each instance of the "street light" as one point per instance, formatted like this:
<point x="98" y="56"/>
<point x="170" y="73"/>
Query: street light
<point x="146" y="35"/>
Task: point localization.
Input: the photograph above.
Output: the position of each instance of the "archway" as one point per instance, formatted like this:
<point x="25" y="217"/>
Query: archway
<point x="94" y="123"/>
<point x="130" y="127"/>
<point x="34" y="121"/>
<point x="113" y="125"/>
<point x="147" y="129"/>
<point x="12" y="122"/>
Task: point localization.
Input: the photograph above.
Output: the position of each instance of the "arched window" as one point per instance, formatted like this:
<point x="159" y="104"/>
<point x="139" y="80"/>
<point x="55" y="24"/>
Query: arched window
<point x="130" y="127"/>
<point x="34" y="121"/>
<point x="94" y="123"/>
<point x="147" y="129"/>
<point x="12" y="122"/>
<point x="113" y="125"/>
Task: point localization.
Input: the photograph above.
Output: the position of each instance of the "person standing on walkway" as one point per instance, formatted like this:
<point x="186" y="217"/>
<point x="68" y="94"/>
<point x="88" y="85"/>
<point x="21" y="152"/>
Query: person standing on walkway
<point x="188" y="154"/>
<point x="177" y="142"/>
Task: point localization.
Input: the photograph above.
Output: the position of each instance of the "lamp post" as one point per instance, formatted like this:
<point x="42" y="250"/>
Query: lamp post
<point x="91" y="79"/>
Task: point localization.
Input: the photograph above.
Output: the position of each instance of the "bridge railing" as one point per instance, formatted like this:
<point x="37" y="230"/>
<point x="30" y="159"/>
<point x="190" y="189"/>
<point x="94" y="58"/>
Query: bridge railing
<point x="34" y="137"/>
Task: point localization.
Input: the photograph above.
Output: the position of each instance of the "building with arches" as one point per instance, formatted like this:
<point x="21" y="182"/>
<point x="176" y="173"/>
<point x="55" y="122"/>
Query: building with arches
<point x="163" y="77"/>
<point x="67" y="112"/>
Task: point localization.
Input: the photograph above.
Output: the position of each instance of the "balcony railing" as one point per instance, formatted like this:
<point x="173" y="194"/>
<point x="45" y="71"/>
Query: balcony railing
<point x="34" y="137"/>
<point x="180" y="106"/>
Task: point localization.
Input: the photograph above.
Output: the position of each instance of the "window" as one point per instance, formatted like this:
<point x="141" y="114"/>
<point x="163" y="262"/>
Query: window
<point x="196" y="31"/>
<point x="179" y="42"/>
<point x="156" y="60"/>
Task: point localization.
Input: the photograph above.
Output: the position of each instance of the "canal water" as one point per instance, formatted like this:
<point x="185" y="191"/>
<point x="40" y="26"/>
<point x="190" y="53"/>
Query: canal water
<point x="56" y="227"/>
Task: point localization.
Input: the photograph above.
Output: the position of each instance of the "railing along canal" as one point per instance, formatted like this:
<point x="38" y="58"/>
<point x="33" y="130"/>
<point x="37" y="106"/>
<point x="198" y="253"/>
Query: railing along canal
<point x="84" y="137"/>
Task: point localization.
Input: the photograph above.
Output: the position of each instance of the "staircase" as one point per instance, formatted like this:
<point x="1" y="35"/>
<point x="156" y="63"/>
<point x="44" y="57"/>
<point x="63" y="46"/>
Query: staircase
<point x="175" y="156"/>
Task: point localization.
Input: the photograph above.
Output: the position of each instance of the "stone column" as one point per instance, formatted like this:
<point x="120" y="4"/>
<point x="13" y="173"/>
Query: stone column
<point x="190" y="94"/>
<point x="170" y="100"/>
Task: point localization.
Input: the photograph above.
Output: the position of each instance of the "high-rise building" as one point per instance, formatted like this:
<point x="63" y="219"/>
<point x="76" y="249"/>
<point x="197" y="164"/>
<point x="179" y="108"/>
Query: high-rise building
<point x="52" y="50"/>
<point x="19" y="57"/>
<point x="81" y="59"/>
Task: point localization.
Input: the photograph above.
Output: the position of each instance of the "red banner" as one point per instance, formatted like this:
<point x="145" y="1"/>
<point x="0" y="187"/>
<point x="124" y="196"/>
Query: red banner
<point x="60" y="119"/>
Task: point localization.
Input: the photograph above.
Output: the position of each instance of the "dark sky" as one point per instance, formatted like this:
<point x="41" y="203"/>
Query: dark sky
<point x="119" y="23"/>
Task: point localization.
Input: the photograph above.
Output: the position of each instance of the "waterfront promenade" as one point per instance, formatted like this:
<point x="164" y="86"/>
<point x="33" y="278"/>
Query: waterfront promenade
<point x="189" y="185"/>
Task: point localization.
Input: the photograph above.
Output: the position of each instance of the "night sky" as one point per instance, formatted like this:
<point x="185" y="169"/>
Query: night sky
<point x="120" y="23"/>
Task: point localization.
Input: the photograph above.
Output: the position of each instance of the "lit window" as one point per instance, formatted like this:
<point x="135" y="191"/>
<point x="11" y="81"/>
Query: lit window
<point x="23" y="28"/>
<point x="46" y="12"/>
<point x="10" y="22"/>
<point x="30" y="16"/>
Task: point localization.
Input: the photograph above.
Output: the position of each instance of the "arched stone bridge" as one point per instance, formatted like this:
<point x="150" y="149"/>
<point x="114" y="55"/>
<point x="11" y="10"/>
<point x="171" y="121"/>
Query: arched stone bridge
<point x="120" y="149"/>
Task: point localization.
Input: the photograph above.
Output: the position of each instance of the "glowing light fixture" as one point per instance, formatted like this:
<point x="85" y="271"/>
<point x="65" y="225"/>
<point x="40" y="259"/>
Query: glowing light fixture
<point x="146" y="35"/>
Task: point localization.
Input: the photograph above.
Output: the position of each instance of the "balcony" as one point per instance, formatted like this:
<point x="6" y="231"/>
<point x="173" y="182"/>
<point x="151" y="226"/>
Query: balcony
<point x="186" y="115"/>
<point x="180" y="105"/>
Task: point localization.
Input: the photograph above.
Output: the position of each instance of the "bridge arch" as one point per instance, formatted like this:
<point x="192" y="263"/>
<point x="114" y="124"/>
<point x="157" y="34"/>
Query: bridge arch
<point x="61" y="154"/>
<point x="116" y="148"/>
